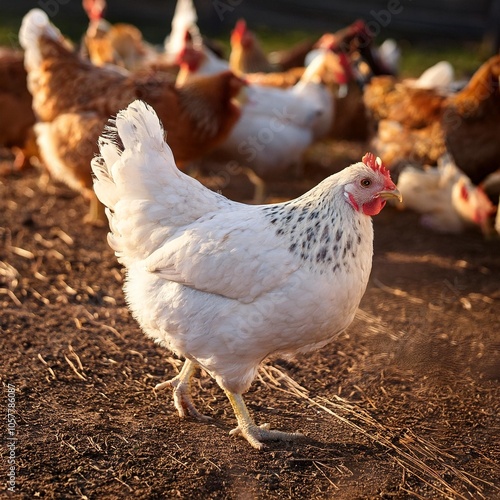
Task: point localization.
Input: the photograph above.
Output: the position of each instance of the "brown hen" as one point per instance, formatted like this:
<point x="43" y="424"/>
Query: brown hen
<point x="16" y="116"/>
<point x="73" y="99"/>
<point x="421" y="124"/>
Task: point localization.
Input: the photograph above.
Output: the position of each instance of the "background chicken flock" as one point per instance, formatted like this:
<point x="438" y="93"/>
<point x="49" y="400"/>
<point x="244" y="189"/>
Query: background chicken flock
<point x="438" y="136"/>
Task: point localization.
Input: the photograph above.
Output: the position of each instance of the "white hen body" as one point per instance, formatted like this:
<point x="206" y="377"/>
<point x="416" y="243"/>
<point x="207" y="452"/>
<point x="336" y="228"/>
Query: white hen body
<point x="222" y="283"/>
<point x="277" y="125"/>
<point x="437" y="194"/>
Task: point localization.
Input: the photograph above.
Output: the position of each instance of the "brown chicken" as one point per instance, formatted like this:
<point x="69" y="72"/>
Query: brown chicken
<point x="16" y="115"/>
<point x="389" y="99"/>
<point x="247" y="55"/>
<point x="421" y="124"/>
<point x="119" y="44"/>
<point x="74" y="99"/>
<point x="471" y="123"/>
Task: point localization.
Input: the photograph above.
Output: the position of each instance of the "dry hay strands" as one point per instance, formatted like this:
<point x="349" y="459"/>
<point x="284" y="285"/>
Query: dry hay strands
<point x="417" y="456"/>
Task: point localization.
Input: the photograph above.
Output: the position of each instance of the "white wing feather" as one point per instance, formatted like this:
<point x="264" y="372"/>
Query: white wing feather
<point x="181" y="230"/>
<point x="222" y="254"/>
<point x="148" y="197"/>
<point x="185" y="19"/>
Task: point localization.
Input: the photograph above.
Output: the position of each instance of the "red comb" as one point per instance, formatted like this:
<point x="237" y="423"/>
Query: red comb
<point x="239" y="30"/>
<point x="94" y="9"/>
<point x="359" y="28"/>
<point x="375" y="163"/>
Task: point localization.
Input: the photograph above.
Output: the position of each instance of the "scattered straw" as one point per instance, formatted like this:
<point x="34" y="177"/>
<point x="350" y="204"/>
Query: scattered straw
<point x="73" y="367"/>
<point x="51" y="371"/>
<point x="414" y="454"/>
<point x="22" y="252"/>
<point x="399" y="293"/>
<point x="11" y="295"/>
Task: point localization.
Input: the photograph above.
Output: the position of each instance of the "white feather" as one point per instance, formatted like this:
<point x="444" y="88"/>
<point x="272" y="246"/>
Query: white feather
<point x="439" y="76"/>
<point x="35" y="24"/>
<point x="435" y="192"/>
<point x="216" y="281"/>
<point x="390" y="54"/>
<point x="143" y="184"/>
<point x="185" y="19"/>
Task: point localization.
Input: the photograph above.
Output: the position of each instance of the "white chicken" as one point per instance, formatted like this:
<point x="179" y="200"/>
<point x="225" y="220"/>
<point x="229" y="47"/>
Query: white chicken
<point x="224" y="284"/>
<point x="183" y="22"/>
<point x="445" y="196"/>
<point x="276" y="125"/>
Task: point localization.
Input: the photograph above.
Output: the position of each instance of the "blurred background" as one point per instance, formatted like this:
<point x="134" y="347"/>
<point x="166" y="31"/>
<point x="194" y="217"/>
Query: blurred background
<point x="461" y="31"/>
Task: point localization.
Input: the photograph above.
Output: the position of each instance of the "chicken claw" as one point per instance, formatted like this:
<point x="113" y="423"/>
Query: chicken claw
<point x="181" y="385"/>
<point x="253" y="433"/>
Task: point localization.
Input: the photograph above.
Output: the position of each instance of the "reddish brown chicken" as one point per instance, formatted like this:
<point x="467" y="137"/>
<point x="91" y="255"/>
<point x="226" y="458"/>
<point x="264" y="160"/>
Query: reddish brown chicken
<point x="421" y="124"/>
<point x="74" y="99"/>
<point x="120" y="44"/>
<point x="471" y="123"/>
<point x="16" y="115"/>
<point x="247" y="55"/>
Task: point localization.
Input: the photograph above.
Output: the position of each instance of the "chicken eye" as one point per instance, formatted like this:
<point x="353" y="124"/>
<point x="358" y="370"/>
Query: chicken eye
<point x="366" y="182"/>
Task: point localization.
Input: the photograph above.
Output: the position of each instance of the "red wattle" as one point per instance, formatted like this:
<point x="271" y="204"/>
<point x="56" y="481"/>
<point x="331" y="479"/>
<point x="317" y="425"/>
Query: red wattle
<point x="373" y="207"/>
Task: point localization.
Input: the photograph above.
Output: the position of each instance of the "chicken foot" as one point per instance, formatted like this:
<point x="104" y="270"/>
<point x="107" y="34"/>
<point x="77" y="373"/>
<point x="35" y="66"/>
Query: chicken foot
<point x="96" y="215"/>
<point x="181" y="384"/>
<point x="253" y="433"/>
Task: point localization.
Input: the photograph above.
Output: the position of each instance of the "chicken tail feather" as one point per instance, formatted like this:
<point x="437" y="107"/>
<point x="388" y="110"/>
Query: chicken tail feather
<point x="36" y="25"/>
<point x="136" y="178"/>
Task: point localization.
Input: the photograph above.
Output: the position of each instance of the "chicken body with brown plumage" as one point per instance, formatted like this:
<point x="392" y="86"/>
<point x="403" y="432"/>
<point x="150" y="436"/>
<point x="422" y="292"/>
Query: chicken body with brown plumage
<point x="16" y="115"/>
<point x="421" y="124"/>
<point x="119" y="44"/>
<point x="72" y="95"/>
<point x="247" y="56"/>
<point x="224" y="284"/>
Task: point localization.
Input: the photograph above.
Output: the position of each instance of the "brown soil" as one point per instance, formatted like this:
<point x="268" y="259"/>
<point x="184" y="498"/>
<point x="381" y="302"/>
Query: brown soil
<point x="404" y="405"/>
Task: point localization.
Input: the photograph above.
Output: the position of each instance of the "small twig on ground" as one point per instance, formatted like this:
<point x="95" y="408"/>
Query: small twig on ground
<point x="73" y="367"/>
<point x="399" y="293"/>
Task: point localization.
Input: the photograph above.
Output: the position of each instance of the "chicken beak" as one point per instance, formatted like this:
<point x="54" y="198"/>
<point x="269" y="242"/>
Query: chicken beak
<point x="393" y="193"/>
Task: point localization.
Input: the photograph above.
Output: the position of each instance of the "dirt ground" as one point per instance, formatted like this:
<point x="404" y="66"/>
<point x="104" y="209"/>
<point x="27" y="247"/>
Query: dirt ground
<point x="405" y="404"/>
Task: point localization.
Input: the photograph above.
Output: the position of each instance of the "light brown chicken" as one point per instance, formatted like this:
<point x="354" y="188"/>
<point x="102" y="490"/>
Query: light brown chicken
<point x="247" y="55"/>
<point x="119" y="44"/>
<point x="421" y="124"/>
<point x="16" y="115"/>
<point x="74" y="99"/>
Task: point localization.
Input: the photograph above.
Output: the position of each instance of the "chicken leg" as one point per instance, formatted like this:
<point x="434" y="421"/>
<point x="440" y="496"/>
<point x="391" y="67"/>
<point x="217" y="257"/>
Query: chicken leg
<point x="96" y="215"/>
<point x="252" y="432"/>
<point x="181" y="385"/>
